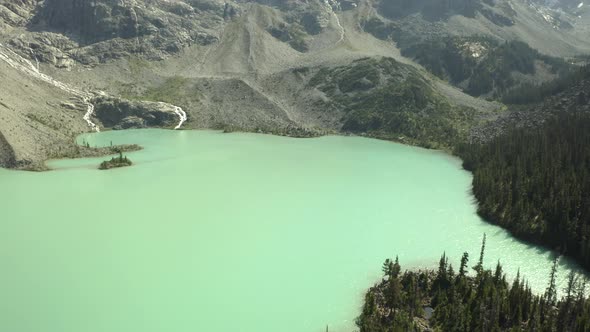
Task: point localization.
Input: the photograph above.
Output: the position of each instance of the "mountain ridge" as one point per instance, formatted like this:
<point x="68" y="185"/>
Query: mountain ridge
<point x="235" y="65"/>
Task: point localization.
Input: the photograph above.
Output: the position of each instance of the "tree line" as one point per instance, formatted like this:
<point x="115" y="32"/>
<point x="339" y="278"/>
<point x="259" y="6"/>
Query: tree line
<point x="529" y="93"/>
<point x="536" y="182"/>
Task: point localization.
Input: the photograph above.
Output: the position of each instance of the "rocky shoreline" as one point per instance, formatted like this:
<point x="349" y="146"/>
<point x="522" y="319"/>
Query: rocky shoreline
<point x="80" y="151"/>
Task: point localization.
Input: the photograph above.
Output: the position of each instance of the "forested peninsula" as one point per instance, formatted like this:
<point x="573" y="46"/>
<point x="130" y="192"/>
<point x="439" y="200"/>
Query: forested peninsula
<point x="536" y="183"/>
<point x="470" y="299"/>
<point x="532" y="176"/>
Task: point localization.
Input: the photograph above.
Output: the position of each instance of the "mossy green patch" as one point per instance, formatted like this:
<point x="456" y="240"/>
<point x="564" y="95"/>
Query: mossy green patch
<point x="388" y="99"/>
<point x="175" y="90"/>
<point x="137" y="65"/>
<point x="170" y="91"/>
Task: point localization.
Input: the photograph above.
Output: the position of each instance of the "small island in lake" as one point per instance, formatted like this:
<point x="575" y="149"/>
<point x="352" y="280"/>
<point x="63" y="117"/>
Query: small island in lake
<point x="115" y="162"/>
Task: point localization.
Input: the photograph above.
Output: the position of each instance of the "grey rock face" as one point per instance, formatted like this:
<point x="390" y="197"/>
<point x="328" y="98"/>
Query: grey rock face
<point x="91" y="21"/>
<point x="123" y="114"/>
<point x="16" y="12"/>
<point x="91" y="32"/>
<point x="131" y="122"/>
<point x="101" y="20"/>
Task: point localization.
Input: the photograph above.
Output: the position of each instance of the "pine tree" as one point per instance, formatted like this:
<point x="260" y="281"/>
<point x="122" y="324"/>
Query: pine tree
<point x="551" y="292"/>
<point x="473" y="303"/>
<point x="479" y="267"/>
<point x="463" y="267"/>
<point x="387" y="267"/>
<point x="395" y="270"/>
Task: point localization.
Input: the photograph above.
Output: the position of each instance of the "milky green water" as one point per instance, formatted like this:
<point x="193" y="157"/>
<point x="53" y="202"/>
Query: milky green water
<point x="232" y="232"/>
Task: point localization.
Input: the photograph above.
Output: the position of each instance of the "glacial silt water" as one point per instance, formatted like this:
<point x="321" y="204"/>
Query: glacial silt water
<point x="232" y="232"/>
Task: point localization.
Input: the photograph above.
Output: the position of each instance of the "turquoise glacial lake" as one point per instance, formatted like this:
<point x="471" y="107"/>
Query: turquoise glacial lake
<point x="233" y="232"/>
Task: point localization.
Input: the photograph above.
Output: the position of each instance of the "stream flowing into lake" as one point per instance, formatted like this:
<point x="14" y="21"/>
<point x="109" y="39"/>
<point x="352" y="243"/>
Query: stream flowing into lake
<point x="233" y="232"/>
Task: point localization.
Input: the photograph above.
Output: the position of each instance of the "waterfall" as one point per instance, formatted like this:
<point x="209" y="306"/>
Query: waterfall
<point x="329" y="6"/>
<point x="25" y="66"/>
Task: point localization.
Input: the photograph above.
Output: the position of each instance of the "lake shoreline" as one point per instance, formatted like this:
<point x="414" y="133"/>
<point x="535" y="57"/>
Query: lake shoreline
<point x="81" y="151"/>
<point x="92" y="152"/>
<point x="279" y="207"/>
<point x="89" y="152"/>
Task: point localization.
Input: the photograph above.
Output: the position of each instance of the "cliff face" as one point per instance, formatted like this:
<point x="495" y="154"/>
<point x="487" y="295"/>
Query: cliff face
<point x="124" y="114"/>
<point x="15" y="13"/>
<point x="91" y="21"/>
<point x="90" y="32"/>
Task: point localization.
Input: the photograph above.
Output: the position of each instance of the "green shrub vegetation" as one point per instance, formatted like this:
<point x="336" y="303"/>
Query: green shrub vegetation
<point x="491" y="72"/>
<point x="446" y="57"/>
<point x="533" y="93"/>
<point x="494" y="72"/>
<point x="170" y="91"/>
<point x="536" y="182"/>
<point x="482" y="300"/>
<point x="294" y="34"/>
<point x="430" y="9"/>
<point x="175" y="90"/>
<point x="387" y="99"/>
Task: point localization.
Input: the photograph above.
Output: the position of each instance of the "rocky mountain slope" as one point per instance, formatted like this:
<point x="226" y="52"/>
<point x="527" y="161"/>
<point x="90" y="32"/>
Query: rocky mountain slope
<point x="485" y="48"/>
<point x="573" y="99"/>
<point x="278" y="66"/>
<point x="36" y="119"/>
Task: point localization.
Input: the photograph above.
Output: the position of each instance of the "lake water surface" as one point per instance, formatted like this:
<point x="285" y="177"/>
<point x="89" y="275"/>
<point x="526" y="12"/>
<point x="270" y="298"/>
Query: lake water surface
<point x="221" y="232"/>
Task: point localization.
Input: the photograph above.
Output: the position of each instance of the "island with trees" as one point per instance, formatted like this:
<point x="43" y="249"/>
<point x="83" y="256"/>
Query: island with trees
<point x="115" y="162"/>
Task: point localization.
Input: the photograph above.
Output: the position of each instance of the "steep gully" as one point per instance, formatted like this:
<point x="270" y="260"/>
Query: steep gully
<point x="25" y="66"/>
<point x="330" y="4"/>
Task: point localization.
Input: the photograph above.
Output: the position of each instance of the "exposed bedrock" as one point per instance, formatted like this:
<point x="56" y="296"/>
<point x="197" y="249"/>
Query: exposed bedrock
<point x="118" y="113"/>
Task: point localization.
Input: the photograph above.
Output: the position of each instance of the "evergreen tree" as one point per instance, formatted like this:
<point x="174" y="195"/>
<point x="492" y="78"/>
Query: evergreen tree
<point x="395" y="270"/>
<point x="484" y="302"/>
<point x="463" y="267"/>
<point x="387" y="267"/>
<point x="479" y="267"/>
<point x="535" y="182"/>
<point x="551" y="292"/>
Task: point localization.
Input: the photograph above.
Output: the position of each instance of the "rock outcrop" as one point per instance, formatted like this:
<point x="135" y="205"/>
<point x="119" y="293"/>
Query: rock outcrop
<point x="574" y="99"/>
<point x="96" y="31"/>
<point x="119" y="113"/>
<point x="16" y="13"/>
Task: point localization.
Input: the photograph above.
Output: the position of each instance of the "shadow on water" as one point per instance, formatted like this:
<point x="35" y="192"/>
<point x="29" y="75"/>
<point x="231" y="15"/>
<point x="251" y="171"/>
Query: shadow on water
<point x="565" y="263"/>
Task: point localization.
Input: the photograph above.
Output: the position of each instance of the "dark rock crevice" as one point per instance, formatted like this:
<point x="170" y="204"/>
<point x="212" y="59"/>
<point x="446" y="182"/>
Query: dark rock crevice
<point x="7" y="156"/>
